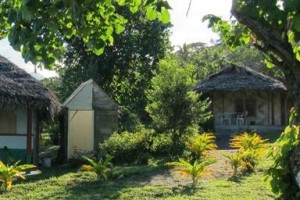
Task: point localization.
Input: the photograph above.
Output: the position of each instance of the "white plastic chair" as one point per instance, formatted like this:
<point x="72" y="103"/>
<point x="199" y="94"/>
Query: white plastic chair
<point x="239" y="120"/>
<point x="226" y="118"/>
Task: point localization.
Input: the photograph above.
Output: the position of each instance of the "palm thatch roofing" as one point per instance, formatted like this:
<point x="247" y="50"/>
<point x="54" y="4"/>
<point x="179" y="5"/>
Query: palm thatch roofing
<point x="20" y="90"/>
<point x="234" y="78"/>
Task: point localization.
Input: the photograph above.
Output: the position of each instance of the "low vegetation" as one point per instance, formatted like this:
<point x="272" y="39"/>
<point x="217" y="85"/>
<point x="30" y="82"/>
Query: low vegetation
<point x="139" y="182"/>
<point x="9" y="172"/>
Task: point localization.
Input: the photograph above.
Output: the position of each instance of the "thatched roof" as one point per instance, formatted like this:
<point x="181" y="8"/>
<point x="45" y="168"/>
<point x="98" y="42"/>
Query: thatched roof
<point x="234" y="78"/>
<point x="20" y="90"/>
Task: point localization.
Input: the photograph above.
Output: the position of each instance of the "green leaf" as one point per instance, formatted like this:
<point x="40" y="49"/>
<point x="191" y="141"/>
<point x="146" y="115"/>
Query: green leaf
<point x="164" y="16"/>
<point x="151" y="13"/>
<point x="98" y="52"/>
<point x="121" y="2"/>
<point x="269" y="64"/>
<point x="69" y="25"/>
<point x="119" y="28"/>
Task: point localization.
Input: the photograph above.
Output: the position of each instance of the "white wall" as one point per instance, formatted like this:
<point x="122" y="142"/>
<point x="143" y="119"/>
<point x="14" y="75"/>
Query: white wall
<point x="19" y="142"/>
<point x="80" y="131"/>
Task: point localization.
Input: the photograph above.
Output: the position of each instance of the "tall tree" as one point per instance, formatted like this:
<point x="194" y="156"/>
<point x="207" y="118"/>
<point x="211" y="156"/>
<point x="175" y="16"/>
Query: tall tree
<point x="173" y="105"/>
<point x="124" y="69"/>
<point x="40" y="29"/>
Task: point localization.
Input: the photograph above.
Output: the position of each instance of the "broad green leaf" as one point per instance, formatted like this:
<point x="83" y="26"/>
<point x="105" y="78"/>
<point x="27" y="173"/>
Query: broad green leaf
<point x="121" y="2"/>
<point x="269" y="64"/>
<point x="151" y="13"/>
<point x="164" y="16"/>
<point x="119" y="28"/>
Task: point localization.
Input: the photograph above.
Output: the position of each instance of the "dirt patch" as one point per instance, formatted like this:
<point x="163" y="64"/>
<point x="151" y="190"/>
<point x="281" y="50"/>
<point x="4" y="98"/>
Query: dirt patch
<point x="220" y="170"/>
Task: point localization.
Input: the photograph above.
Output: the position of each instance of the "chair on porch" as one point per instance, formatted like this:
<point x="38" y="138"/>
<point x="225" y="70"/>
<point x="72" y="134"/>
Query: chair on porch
<point x="239" y="120"/>
<point x="226" y="118"/>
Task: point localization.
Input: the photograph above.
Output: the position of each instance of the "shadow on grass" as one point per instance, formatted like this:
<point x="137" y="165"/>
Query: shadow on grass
<point x="127" y="183"/>
<point x="188" y="190"/>
<point x="55" y="171"/>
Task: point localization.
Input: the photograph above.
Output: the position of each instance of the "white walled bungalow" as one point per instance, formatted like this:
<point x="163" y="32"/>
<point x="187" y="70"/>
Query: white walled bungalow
<point x="88" y="116"/>
<point x="24" y="104"/>
<point x="244" y="99"/>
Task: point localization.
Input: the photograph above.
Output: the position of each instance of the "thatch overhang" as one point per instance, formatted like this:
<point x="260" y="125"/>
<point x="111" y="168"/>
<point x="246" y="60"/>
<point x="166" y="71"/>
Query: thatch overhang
<point x="20" y="90"/>
<point x="234" y="78"/>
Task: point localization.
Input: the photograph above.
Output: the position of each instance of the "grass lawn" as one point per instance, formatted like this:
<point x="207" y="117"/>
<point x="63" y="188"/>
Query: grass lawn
<point x="139" y="182"/>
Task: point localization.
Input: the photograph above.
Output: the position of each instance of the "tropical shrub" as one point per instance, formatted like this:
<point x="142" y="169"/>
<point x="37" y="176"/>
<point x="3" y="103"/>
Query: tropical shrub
<point x="195" y="170"/>
<point x="128" y="147"/>
<point x="161" y="144"/>
<point x="199" y="145"/>
<point x="100" y="167"/>
<point x="236" y="161"/>
<point x="251" y="146"/>
<point x="8" y="172"/>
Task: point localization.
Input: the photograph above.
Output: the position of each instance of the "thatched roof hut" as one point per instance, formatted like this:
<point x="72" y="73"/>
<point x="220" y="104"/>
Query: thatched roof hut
<point x="234" y="78"/>
<point x="18" y="89"/>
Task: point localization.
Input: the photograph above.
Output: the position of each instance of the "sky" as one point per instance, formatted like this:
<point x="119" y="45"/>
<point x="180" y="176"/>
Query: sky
<point x="187" y="28"/>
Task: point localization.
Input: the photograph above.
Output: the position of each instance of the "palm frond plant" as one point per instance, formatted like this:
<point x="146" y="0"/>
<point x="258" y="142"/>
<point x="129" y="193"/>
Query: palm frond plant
<point x="236" y="161"/>
<point x="252" y="146"/>
<point x="195" y="170"/>
<point x="200" y="145"/>
<point x="100" y="167"/>
<point x="8" y="172"/>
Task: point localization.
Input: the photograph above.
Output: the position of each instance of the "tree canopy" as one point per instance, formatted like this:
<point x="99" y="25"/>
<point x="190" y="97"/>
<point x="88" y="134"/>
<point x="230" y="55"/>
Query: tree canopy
<point x="41" y="29"/>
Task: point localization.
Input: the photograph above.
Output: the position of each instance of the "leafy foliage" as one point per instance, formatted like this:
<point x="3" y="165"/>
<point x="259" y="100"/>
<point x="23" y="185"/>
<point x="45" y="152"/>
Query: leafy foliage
<point x="124" y="70"/>
<point x="200" y="144"/>
<point x="195" y="170"/>
<point x="236" y="160"/>
<point x="280" y="177"/>
<point x="136" y="147"/>
<point x="100" y="167"/>
<point x="40" y="29"/>
<point x="252" y="148"/>
<point x="173" y="105"/>
<point x="8" y="172"/>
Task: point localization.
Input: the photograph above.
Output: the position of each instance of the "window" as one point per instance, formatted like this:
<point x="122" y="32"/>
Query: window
<point x="249" y="104"/>
<point x="7" y="121"/>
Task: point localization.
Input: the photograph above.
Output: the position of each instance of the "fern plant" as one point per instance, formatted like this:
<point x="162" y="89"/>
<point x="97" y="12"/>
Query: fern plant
<point x="8" y="172"/>
<point x="195" y="170"/>
<point x="100" y="167"/>
<point x="200" y="145"/>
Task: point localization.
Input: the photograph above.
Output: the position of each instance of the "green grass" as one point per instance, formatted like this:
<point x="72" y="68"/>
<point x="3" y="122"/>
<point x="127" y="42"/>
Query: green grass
<point x="134" y="182"/>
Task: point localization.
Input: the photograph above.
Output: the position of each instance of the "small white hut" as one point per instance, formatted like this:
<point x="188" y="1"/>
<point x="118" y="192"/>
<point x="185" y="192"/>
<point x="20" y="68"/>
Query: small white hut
<point x="88" y="116"/>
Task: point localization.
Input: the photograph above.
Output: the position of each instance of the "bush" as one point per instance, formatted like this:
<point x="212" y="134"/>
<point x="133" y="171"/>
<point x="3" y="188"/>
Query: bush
<point x="161" y="144"/>
<point x="128" y="147"/>
<point x="199" y="145"/>
<point x="252" y="146"/>
<point x="138" y="147"/>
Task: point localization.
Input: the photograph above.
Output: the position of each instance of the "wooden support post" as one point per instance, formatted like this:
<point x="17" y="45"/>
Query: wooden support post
<point x="29" y="132"/>
<point x="36" y="146"/>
